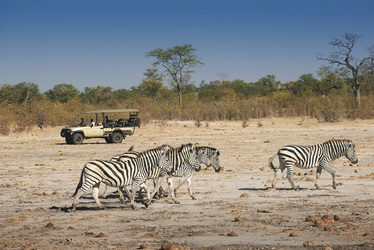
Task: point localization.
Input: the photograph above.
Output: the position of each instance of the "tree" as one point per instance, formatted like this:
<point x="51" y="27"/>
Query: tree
<point x="9" y="93"/>
<point x="330" y="79"/>
<point x="28" y="92"/>
<point x="359" y="69"/>
<point x="268" y="84"/>
<point x="100" y="94"/>
<point x="62" y="93"/>
<point x="152" y="84"/>
<point x="178" y="63"/>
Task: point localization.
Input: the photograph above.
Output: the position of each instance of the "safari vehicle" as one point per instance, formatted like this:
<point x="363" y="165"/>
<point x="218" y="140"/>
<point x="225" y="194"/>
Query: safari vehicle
<point x="113" y="131"/>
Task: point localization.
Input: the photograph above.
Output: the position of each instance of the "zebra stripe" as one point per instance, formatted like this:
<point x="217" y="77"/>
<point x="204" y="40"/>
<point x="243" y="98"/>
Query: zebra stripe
<point x="130" y="154"/>
<point x="209" y="157"/>
<point x="117" y="174"/>
<point x="184" y="161"/>
<point x="319" y="155"/>
<point x="156" y="173"/>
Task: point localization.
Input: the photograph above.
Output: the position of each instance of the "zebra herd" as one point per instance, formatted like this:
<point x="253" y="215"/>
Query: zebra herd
<point x="165" y="163"/>
<point x="136" y="168"/>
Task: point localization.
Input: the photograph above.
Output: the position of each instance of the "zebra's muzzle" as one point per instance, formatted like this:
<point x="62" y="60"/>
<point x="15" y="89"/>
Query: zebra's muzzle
<point x="355" y="161"/>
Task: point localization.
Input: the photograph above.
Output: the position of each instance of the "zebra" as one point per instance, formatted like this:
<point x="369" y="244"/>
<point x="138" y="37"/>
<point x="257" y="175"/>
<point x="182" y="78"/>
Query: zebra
<point x="184" y="161"/>
<point x="206" y="155"/>
<point x="130" y="154"/>
<point x="154" y="174"/>
<point x="319" y="155"/>
<point x="209" y="157"/>
<point x="118" y="174"/>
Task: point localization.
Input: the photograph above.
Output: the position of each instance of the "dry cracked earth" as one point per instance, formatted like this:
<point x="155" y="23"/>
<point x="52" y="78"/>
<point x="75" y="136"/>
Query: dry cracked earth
<point x="234" y="208"/>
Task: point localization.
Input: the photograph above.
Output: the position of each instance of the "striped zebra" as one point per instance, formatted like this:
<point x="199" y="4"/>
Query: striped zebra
<point x="205" y="155"/>
<point x="117" y="174"/>
<point x="156" y="173"/>
<point x="209" y="157"/>
<point x="130" y="154"/>
<point x="319" y="155"/>
<point x="181" y="167"/>
<point x="183" y="162"/>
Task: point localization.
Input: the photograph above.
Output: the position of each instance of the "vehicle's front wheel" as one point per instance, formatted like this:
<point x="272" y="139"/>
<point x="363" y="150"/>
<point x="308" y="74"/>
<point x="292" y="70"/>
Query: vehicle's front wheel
<point x="77" y="138"/>
<point x="117" y="137"/>
<point x="69" y="140"/>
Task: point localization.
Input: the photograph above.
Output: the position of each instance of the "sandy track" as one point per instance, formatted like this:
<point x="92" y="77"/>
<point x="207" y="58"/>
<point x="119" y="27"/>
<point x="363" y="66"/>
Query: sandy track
<point x="39" y="173"/>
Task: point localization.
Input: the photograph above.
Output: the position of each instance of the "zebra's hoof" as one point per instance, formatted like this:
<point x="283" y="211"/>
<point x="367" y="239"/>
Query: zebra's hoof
<point x="132" y="206"/>
<point x="177" y="202"/>
<point x="147" y="203"/>
<point x="193" y="197"/>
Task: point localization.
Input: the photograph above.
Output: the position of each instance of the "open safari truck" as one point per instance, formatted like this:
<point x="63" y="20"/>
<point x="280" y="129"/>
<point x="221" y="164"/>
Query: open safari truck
<point x="112" y="130"/>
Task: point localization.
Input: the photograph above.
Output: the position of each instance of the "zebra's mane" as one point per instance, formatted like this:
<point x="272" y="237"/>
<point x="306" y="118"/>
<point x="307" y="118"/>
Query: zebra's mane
<point x="186" y="145"/>
<point x="209" y="148"/>
<point x="336" y="140"/>
<point x="154" y="149"/>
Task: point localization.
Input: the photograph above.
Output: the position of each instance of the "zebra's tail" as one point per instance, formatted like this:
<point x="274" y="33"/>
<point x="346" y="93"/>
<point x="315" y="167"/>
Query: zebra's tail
<point x="271" y="162"/>
<point x="79" y="184"/>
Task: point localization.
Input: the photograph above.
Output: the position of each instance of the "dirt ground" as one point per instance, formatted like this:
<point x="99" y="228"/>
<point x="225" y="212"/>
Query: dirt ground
<point x="233" y="210"/>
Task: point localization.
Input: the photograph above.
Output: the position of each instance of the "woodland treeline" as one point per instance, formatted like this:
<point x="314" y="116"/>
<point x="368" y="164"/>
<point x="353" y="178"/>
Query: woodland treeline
<point x="327" y="99"/>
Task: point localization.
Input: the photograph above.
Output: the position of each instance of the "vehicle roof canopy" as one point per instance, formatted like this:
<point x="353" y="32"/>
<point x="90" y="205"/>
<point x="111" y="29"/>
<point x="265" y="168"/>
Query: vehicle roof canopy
<point x="102" y="111"/>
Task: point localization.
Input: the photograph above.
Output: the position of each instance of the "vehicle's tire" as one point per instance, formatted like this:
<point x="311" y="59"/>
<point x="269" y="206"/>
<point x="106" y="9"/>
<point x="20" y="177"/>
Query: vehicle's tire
<point x="108" y="140"/>
<point x="77" y="138"/>
<point x="69" y="140"/>
<point x="117" y="137"/>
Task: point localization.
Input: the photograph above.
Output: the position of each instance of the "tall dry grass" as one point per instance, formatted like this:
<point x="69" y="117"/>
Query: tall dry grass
<point x="331" y="108"/>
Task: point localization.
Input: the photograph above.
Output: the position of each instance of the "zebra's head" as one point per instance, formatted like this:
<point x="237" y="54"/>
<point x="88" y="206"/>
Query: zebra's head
<point x="214" y="161"/>
<point x="163" y="160"/>
<point x="188" y="152"/>
<point x="351" y="152"/>
<point x="209" y="156"/>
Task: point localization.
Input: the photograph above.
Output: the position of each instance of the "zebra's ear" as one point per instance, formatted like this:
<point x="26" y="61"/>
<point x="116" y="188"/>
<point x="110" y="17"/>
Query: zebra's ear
<point x="217" y="152"/>
<point x="131" y="148"/>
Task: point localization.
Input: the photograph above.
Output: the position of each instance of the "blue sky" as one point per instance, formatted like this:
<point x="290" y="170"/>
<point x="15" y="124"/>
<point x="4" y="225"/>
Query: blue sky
<point x="88" y="43"/>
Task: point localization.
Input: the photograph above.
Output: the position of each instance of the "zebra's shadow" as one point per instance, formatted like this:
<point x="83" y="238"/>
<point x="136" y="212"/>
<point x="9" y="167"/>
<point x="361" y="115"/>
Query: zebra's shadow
<point x="67" y="209"/>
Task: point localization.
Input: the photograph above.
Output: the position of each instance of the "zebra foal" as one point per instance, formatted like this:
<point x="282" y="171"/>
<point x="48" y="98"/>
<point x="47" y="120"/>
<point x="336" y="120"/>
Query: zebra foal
<point x="119" y="174"/>
<point x="319" y="155"/>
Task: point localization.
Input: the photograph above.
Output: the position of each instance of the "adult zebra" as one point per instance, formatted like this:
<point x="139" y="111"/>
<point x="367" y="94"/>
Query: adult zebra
<point x="118" y="174"/>
<point x="319" y="155"/>
<point x="209" y="157"/>
<point x="182" y="158"/>
<point x="206" y="155"/>
<point x="183" y="161"/>
<point x="130" y="154"/>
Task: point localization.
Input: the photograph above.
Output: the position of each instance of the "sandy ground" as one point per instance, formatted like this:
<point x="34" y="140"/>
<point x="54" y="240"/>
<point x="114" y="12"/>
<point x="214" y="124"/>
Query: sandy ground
<point x="233" y="210"/>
